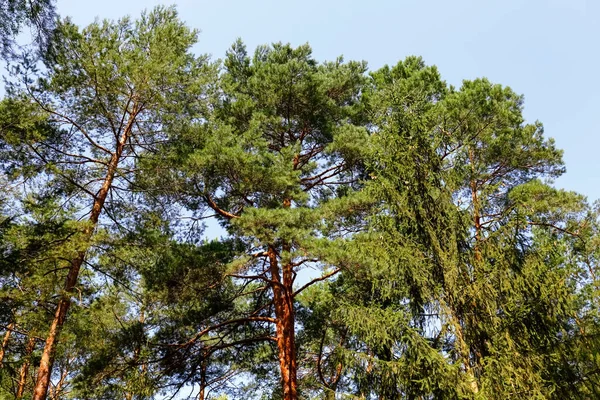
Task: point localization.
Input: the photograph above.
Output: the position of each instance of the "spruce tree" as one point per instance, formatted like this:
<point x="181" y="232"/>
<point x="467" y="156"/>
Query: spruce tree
<point x="460" y="293"/>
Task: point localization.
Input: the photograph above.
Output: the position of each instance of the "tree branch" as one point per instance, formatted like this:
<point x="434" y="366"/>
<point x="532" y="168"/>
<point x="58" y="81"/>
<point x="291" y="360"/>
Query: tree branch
<point x="322" y="278"/>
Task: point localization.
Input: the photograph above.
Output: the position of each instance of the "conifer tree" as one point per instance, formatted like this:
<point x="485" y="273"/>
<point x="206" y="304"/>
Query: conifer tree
<point x="106" y="97"/>
<point x="460" y="293"/>
<point x="387" y="235"/>
<point x="279" y="151"/>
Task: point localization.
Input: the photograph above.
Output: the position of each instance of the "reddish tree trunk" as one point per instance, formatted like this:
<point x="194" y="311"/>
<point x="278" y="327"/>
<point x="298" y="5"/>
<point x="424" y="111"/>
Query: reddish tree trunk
<point x="9" y="330"/>
<point x="25" y="369"/>
<point x="202" y="393"/>
<point x="47" y="360"/>
<point x="285" y="321"/>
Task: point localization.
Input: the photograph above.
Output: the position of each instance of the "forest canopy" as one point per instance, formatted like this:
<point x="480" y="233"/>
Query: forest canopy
<point x="384" y="235"/>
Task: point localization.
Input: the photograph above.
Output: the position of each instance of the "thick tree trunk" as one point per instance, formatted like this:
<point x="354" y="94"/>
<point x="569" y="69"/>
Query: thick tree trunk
<point x="9" y="330"/>
<point x="47" y="360"/>
<point x="25" y="369"/>
<point x="285" y="321"/>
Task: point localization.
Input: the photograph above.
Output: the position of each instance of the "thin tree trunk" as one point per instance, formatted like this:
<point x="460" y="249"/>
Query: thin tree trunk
<point x="331" y="385"/>
<point x="476" y="212"/>
<point x="331" y="388"/>
<point x="465" y="353"/>
<point x="9" y="330"/>
<point x="25" y="369"/>
<point x="47" y="360"/>
<point x="478" y="265"/>
<point x="285" y="321"/>
<point x="142" y="320"/>
<point x="202" y="393"/>
<point x="462" y="346"/>
<point x="59" y="386"/>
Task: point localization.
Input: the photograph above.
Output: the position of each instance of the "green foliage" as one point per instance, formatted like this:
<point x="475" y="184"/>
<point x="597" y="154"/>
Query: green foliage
<point x="15" y="14"/>
<point x="399" y="237"/>
<point x="472" y="267"/>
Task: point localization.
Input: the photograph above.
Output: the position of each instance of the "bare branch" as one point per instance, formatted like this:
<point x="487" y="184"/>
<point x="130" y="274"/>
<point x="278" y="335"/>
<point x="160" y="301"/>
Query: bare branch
<point x="322" y="278"/>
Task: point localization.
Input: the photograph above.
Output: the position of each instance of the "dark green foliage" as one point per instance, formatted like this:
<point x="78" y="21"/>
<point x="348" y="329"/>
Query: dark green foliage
<point x="472" y="279"/>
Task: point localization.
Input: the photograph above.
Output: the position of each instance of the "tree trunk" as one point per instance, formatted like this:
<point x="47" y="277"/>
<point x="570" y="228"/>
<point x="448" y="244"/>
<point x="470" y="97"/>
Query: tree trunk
<point x="478" y="265"/>
<point x="465" y="353"/>
<point x="25" y="369"/>
<point x="285" y="321"/>
<point x="55" y="393"/>
<point x="202" y="393"/>
<point x="463" y="348"/>
<point x="47" y="360"/>
<point x="476" y="212"/>
<point x="331" y="384"/>
<point x="9" y="330"/>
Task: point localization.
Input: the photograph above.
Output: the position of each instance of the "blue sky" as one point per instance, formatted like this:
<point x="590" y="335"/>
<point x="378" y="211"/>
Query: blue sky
<point x="548" y="50"/>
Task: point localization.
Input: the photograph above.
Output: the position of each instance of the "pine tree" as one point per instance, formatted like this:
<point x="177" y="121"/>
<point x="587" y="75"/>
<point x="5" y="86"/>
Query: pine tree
<point x="106" y="96"/>
<point x="279" y="151"/>
<point x="34" y="244"/>
<point x="387" y="235"/>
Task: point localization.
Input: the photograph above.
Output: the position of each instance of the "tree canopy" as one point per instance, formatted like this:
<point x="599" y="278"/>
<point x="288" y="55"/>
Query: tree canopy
<point x="386" y="235"/>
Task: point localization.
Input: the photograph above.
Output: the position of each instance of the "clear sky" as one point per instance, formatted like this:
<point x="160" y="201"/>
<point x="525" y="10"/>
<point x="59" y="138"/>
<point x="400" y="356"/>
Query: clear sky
<point x="548" y="50"/>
